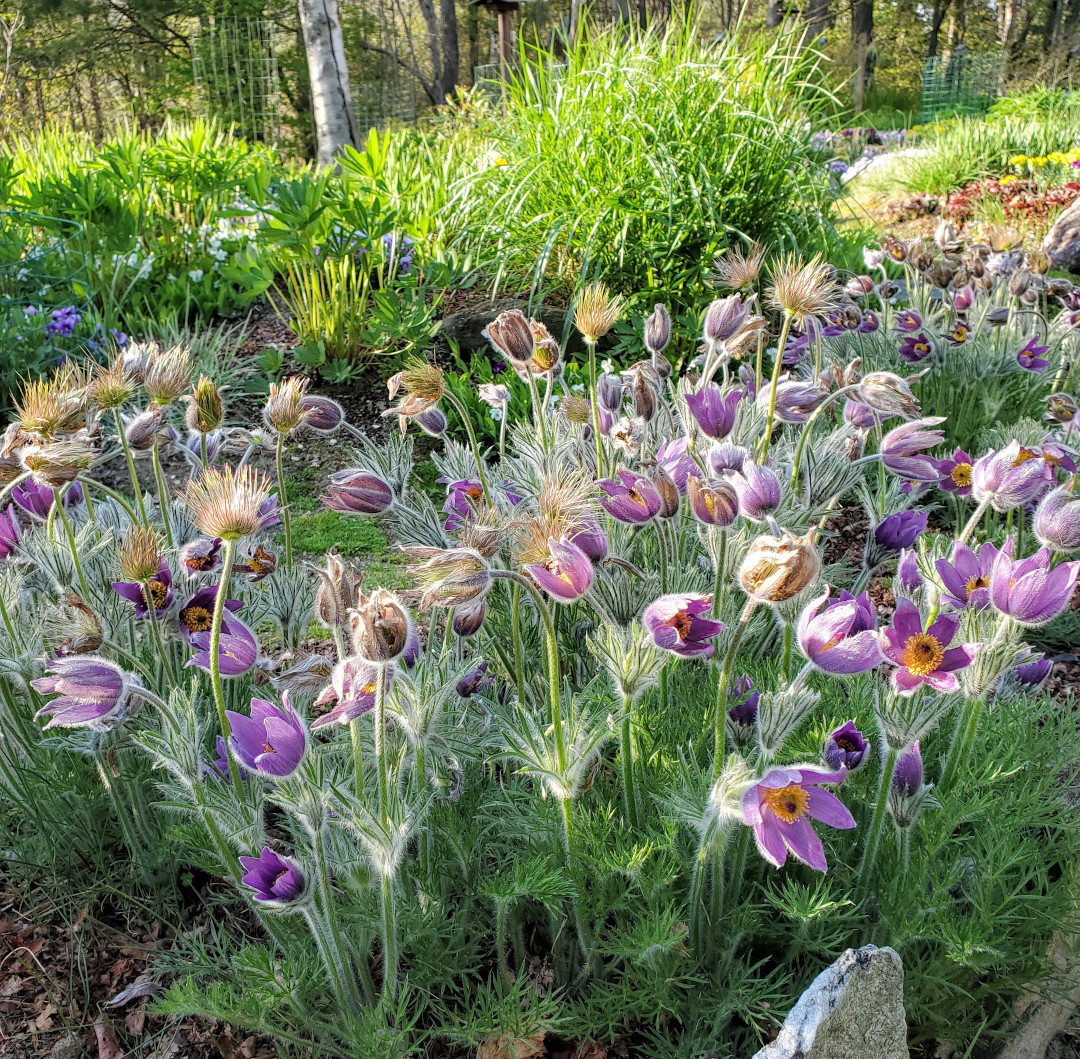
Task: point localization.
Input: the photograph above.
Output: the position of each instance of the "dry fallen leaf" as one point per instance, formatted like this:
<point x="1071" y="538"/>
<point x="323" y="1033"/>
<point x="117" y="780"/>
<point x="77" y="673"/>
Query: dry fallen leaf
<point x="44" y="1020"/>
<point x="502" y="1046"/>
<point x="135" y="1020"/>
<point x="144" y="985"/>
<point x="106" y="1041"/>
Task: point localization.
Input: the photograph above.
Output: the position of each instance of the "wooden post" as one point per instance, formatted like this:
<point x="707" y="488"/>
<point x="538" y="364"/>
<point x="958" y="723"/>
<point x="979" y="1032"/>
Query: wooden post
<point x="505" y="40"/>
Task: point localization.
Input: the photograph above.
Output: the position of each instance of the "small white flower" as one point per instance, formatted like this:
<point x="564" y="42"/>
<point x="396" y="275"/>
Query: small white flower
<point x="196" y="275"/>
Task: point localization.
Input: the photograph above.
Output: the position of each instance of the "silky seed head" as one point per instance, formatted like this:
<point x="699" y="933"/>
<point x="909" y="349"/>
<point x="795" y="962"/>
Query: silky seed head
<point x="740" y="271"/>
<point x="225" y="503"/>
<point x="47" y="407"/>
<point x="140" y="554"/>
<point x="111" y="387"/>
<point x="803" y="289"/>
<point x="576" y="409"/>
<point x="423" y="379"/>
<point x="597" y="311"/>
<point x="284" y="409"/>
<point x="58" y="463"/>
<point x="167" y="375"/>
<point x="204" y="411"/>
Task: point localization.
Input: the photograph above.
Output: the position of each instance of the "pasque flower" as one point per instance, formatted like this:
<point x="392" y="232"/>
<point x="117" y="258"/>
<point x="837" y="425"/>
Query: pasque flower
<point x="900" y="529"/>
<point x="758" y="490"/>
<point x="956" y="473"/>
<point x="778" y="568"/>
<point x="1057" y="520"/>
<point x="714" y="501"/>
<point x="1010" y="478"/>
<point x="781" y="804"/>
<point x="675" y="623"/>
<point x="272" y="741"/>
<point x="908" y="571"/>
<point x="238" y="649"/>
<point x="795" y="399"/>
<point x="37" y="499"/>
<point x="276" y="880"/>
<point x="903" y="448"/>
<point x="714" y="410"/>
<point x="197" y="614"/>
<point x="924" y="657"/>
<point x="907" y="321"/>
<point x="352" y="687"/>
<point x="1033" y="671"/>
<point x="840" y="640"/>
<point x="9" y="532"/>
<point x="916" y="347"/>
<point x="1031" y="356"/>
<point x="630" y="498"/>
<point x="358" y="492"/>
<point x="450" y="577"/>
<point x="592" y="540"/>
<point x="907" y="776"/>
<point x="725" y="316"/>
<point x="1029" y="590"/>
<point x="198" y="556"/>
<point x="158" y="591"/>
<point x="966" y="579"/>
<point x="746" y="699"/>
<point x="845" y="747"/>
<point x="888" y="394"/>
<point x="565" y="574"/>
<point x="676" y="461"/>
<point x="90" y="690"/>
<point x="474" y="681"/>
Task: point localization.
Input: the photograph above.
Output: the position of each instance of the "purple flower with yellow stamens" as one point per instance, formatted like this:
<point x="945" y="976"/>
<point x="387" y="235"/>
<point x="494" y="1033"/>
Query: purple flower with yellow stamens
<point x="198" y="556"/>
<point x="630" y="498"/>
<point x="677" y="463"/>
<point x="352" y="687"/>
<point x="966" y="579"/>
<point x="1010" y="478"/>
<point x="197" y="614"/>
<point x="272" y="741"/>
<point x="956" y="473"/>
<point x="838" y="640"/>
<point x="675" y="624"/>
<point x="462" y="499"/>
<point x="908" y="321"/>
<point x="90" y="691"/>
<point x="238" y="649"/>
<point x="959" y="334"/>
<point x="845" y="748"/>
<point x="714" y="410"/>
<point x="358" y="492"/>
<point x="1029" y="590"/>
<point x="924" y="656"/>
<point x="903" y="448"/>
<point x="758" y="490"/>
<point x="158" y="590"/>
<point x="901" y="529"/>
<point x="714" y="502"/>
<point x="781" y="804"/>
<point x="916" y="347"/>
<point x="870" y="323"/>
<point x="1031" y="356"/>
<point x="276" y="880"/>
<point x="565" y="574"/>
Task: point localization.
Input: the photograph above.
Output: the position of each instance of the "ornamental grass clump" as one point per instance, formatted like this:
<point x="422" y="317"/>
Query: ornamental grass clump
<point x="627" y="730"/>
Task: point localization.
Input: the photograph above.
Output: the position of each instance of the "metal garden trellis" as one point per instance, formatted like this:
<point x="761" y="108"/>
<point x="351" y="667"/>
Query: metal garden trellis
<point x="234" y="61"/>
<point x="961" y="83"/>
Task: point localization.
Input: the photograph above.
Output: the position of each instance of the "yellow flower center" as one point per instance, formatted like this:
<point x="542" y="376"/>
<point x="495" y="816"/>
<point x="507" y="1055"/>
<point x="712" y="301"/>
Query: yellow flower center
<point x="681" y="623"/>
<point x="923" y="653"/>
<point x="268" y="748"/>
<point x="961" y="475"/>
<point x="633" y="494"/>
<point x="200" y="562"/>
<point x="156" y="593"/>
<point x="1024" y="456"/>
<point x="976" y="582"/>
<point x="196" y="619"/>
<point x="786" y="803"/>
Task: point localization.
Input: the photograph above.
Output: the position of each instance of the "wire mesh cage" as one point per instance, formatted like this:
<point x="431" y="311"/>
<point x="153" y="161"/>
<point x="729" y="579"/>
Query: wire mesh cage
<point x="386" y="103"/>
<point x="234" y="61"/>
<point x="961" y="83"/>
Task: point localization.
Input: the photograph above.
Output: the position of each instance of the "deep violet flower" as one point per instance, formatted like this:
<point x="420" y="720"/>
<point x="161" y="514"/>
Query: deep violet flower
<point x="630" y="498"/>
<point x="923" y="657"/>
<point x="272" y="741"/>
<point x="352" y="688"/>
<point x="675" y="623"/>
<point x="238" y="649"/>
<point x="1033" y="671"/>
<point x="474" y="681"/>
<point x="956" y="473"/>
<point x="37" y="499"/>
<point x="276" y="880"/>
<point x="916" y="347"/>
<point x="462" y="499"/>
<point x="780" y="806"/>
<point x="838" y="640"/>
<point x="198" y="556"/>
<point x="197" y="614"/>
<point x="966" y="579"/>
<point x="9" y="532"/>
<point x="565" y="574"/>
<point x="359" y="492"/>
<point x="676" y="462"/>
<point x="907" y="321"/>
<point x="901" y="529"/>
<point x="1028" y="590"/>
<point x="592" y="540"/>
<point x="907" y="777"/>
<point x="745" y="699"/>
<point x="1031" y="356"/>
<point x="158" y="590"/>
<point x="90" y="690"/>
<point x="845" y="747"/>
<point x="714" y="410"/>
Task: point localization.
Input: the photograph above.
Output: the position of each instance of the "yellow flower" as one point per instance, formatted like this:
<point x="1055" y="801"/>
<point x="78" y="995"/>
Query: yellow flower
<point x="1039" y="162"/>
<point x="1007" y="180"/>
<point x="1056" y="157"/>
<point x="1018" y="159"/>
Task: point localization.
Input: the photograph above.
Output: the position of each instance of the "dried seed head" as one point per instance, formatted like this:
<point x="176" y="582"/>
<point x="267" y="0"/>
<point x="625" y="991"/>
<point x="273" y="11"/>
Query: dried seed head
<point x="482" y="534"/>
<point x="1039" y="262"/>
<point x="596" y="311"/>
<point x="140" y="554"/>
<point x="338" y="591"/>
<point x="167" y="375"/>
<point x="56" y="464"/>
<point x="48" y="407"/>
<point x="78" y="628"/>
<point x="804" y="288"/>
<point x="423" y="384"/>
<point x="738" y="270"/>
<point x="111" y="387"/>
<point x="564" y="500"/>
<point x="204" y="407"/>
<point x="449" y="577"/>
<point x="284" y="409"/>
<point x="777" y="568"/>
<point x="381" y="626"/>
<point x="576" y="409"/>
<point x="225" y="503"/>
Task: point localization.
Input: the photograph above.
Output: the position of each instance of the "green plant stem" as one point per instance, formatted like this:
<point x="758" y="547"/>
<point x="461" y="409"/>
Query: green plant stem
<point x="720" y="734"/>
<point x="112" y="494"/>
<point x="718" y="583"/>
<point x="629" y="765"/>
<point x="163" y="494"/>
<point x="283" y="500"/>
<point x="539" y="414"/>
<point x="595" y="409"/>
<point x="784" y="332"/>
<point x="389" y="937"/>
<point x="785" y="660"/>
<point x="963" y="739"/>
<point x="379" y="724"/>
<point x="462" y="411"/>
<point x="500" y="942"/>
<point x="58" y="507"/>
<point x="502" y="430"/>
<point x="358" y="756"/>
<point x="877" y="821"/>
<point x="123" y="817"/>
<point x="228" y="558"/>
<point x="519" y="653"/>
<point x="809" y="425"/>
<point x="131" y="467"/>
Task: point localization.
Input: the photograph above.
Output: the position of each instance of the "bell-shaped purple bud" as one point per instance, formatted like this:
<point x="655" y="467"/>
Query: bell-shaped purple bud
<point x="476" y="680"/>
<point x="714" y="501"/>
<point x="658" y="330"/>
<point x="321" y="413"/>
<point x="858" y="415"/>
<point x="744" y="701"/>
<point x="907" y="777"/>
<point x="758" y="490"/>
<point x="276" y="880"/>
<point x="90" y="691"/>
<point x="431" y="421"/>
<point x="468" y="618"/>
<point x="724" y="317"/>
<point x="908" y="570"/>
<point x="900" y="530"/>
<point x="609" y="393"/>
<point x="358" y="492"/>
<point x="1057" y="520"/>
<point x="846" y="747"/>
<point x="1010" y="478"/>
<point x="903" y="447"/>
<point x="1033" y="671"/>
<point x="714" y="410"/>
<point x="727" y="457"/>
<point x="592" y="540"/>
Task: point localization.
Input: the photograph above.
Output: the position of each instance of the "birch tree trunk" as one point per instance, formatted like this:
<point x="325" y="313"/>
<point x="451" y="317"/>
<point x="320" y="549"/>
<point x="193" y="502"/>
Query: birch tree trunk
<point x="862" y="29"/>
<point x="331" y="99"/>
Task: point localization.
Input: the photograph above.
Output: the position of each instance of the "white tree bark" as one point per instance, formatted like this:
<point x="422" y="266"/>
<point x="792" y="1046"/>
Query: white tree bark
<point x="331" y="100"/>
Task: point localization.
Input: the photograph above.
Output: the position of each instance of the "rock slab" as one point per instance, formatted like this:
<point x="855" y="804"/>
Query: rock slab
<point x="854" y="1009"/>
<point x="1062" y="242"/>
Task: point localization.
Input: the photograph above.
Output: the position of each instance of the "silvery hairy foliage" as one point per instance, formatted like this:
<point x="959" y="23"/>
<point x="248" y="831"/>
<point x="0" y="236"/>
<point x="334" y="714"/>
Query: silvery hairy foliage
<point x="781" y="713"/>
<point x="633" y="662"/>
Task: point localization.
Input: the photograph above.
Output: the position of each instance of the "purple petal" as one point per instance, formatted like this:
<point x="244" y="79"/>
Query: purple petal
<point x="826" y="807"/>
<point x="803" y="841"/>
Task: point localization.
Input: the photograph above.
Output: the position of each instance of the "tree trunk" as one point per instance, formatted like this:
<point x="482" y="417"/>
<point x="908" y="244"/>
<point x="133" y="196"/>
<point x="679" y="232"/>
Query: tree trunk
<point x="575" y="23"/>
<point x="862" y="30"/>
<point x="819" y="17"/>
<point x="1054" y="11"/>
<point x="774" y="13"/>
<point x="437" y="93"/>
<point x="450" y="58"/>
<point x="940" y="7"/>
<point x="331" y="99"/>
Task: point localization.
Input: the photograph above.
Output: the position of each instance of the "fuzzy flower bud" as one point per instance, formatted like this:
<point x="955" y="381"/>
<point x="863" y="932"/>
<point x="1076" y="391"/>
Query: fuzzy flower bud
<point x="381" y="627"/>
<point x="1057" y="520"/>
<point x="778" y="568"/>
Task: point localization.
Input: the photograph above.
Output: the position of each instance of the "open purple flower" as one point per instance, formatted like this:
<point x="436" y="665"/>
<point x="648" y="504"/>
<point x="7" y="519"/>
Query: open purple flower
<point x="924" y="657"/>
<point x="272" y="741"/>
<point x="675" y="623"/>
<point x="90" y="690"/>
<point x="900" y="529"/>
<point x="352" y="688"/>
<point x="907" y="321"/>
<point x="780" y="806"/>
<point x="462" y="499"/>
<point x="37" y="499"/>
<point x="1031" y="356"/>
<point x="630" y="498"/>
<point x="959" y="334"/>
<point x="197" y="614"/>
<point x="358" y="492"/>
<point x="1029" y="590"/>
<point x="1033" y="671"/>
<point x="238" y="649"/>
<point x="1010" y="478"/>
<point x="677" y="463"/>
<point x="758" y="490"/>
<point x="956" y="473"/>
<point x="839" y="640"/>
<point x="9" y="532"/>
<point x="565" y="574"/>
<point x="903" y="448"/>
<point x="916" y="347"/>
<point x="276" y="880"/>
<point x="966" y="578"/>
<point x="158" y="591"/>
<point x="714" y="410"/>
<point x="198" y="556"/>
<point x="846" y="747"/>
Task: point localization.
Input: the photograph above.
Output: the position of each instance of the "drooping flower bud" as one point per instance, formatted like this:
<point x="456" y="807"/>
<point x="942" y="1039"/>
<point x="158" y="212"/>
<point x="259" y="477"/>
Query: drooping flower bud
<point x="888" y="394"/>
<point x="381" y="627"/>
<point x="450" y="577"/>
<point x="1057" y="520"/>
<point x="141" y="431"/>
<point x="667" y="490"/>
<point x="322" y="413"/>
<point x="657" y="330"/>
<point x="777" y="568"/>
<point x="714" y="502"/>
<point x="512" y="337"/>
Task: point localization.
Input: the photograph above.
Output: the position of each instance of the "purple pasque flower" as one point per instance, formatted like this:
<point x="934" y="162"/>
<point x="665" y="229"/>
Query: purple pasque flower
<point x="727" y="457"/>
<point x="462" y="499"/>
<point x="960" y="333"/>
<point x="1010" y="478"/>
<point x="858" y="415"/>
<point x="474" y="681"/>
<point x="964" y="298"/>
<point x="781" y="804"/>
<point x="257" y="563"/>
<point x="758" y="490"/>
<point x="592" y="540"/>
<point x="158" y="590"/>
<point x="901" y="529"/>
<point x="908" y="322"/>
<point x="903" y="448"/>
<point x="956" y="473"/>
<point x="269" y="513"/>
<point x="907" y="776"/>
<point x="238" y="649"/>
<point x="745" y="698"/>
<point x="276" y="880"/>
<point x="609" y="393"/>
<point x="358" y="492"/>
<point x="1033" y="671"/>
<point x="1029" y="590"/>
<point x="908" y="571"/>
<point x="197" y="614"/>
<point x="795" y="399"/>
<point x="198" y="556"/>
<point x="37" y="499"/>
<point x="859" y="286"/>
<point x="352" y="687"/>
<point x="839" y="641"/>
<point x="565" y="574"/>
<point x="675" y="623"/>
<point x="870" y="322"/>
<point x="9" y="532"/>
<point x="676" y="461"/>
<point x="272" y="741"/>
<point x="966" y="579"/>
<point x="725" y="316"/>
<point x="1057" y="520"/>
<point x="714" y="410"/>
<point x="90" y="690"/>
<point x="845" y="747"/>
<point x="714" y="501"/>
<point x="630" y="498"/>
<point x="469" y="618"/>
<point x="321" y="413"/>
<point x="916" y="347"/>
<point x="923" y="657"/>
<point x="1031" y="356"/>
<point x="220" y="764"/>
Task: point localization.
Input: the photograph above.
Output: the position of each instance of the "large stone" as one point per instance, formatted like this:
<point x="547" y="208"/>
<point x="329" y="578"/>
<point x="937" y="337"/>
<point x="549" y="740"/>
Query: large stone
<point x="1044" y="1014"/>
<point x="854" y="1009"/>
<point x="1062" y="242"/>
<point x="466" y="327"/>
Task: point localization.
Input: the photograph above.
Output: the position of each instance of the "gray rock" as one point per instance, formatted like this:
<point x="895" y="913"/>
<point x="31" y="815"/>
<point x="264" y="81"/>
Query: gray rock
<point x="1062" y="242"/>
<point x="465" y="327"/>
<point x="852" y="1010"/>
<point x="1043" y="1015"/>
<point x="69" y="1046"/>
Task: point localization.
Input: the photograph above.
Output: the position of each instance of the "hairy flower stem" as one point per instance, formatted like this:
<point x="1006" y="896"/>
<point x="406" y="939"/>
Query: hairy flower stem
<point x="808" y="426"/>
<point x="722" y="686"/>
<point x="696" y="900"/>
<point x="963" y="738"/>
<point x="228" y="557"/>
<point x="389" y="937"/>
<point x="718" y="584"/>
<point x="501" y="910"/>
<point x="283" y="500"/>
<point x="785" y="659"/>
<point x="329" y="939"/>
<point x="877" y="821"/>
<point x="131" y="466"/>
<point x="120" y="808"/>
<point x="594" y="408"/>
<point x="757" y="365"/>
<point x="785" y="330"/>
<point x="357" y="756"/>
<point x="539" y="414"/>
<point x="502" y="430"/>
<point x="112" y="494"/>
<point x="463" y="412"/>
<point x="519" y="653"/>
<point x="379" y="725"/>
<point x="163" y="494"/>
<point x="629" y="765"/>
<point x="58" y="507"/>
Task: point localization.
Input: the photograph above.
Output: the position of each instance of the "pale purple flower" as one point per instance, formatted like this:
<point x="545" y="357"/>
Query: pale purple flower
<point x="1029" y="590"/>
<point x="9" y="532"/>
<point x="676" y="624"/>
<point x="272" y="741"/>
<point x="37" y="499"/>
<point x="908" y="570"/>
<point x="714" y="410"/>
<point x="90" y="690"/>
<point x="565" y="574"/>
<point x="923" y="657"/>
<point x="858" y="415"/>
<point x="676" y="461"/>
<point x="591" y="539"/>
<point x="1057" y="520"/>
<point x="358" y="492"/>
<point x="727" y="457"/>
<point x="238" y="649"/>
<point x="795" y="399"/>
<point x="1010" y="478"/>
<point x="724" y="317"/>
<point x="966" y="579"/>
<point x="838" y="640"/>
<point x="903" y="448"/>
<point x="758" y="490"/>
<point x="352" y="688"/>
<point x="630" y="498"/>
